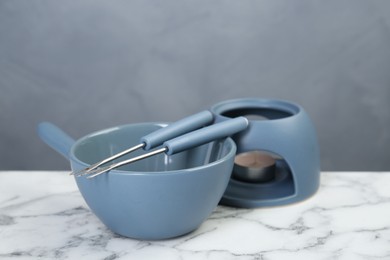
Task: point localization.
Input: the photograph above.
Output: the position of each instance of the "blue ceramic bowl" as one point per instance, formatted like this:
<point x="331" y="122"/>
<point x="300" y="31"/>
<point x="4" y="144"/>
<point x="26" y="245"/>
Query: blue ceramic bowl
<point x="156" y="198"/>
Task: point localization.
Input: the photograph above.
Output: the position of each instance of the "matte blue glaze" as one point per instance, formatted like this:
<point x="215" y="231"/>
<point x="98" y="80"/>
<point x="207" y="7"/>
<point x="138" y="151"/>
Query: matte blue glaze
<point x="55" y="138"/>
<point x="177" y="128"/>
<point x="156" y="198"/>
<point x="206" y="134"/>
<point x="289" y="133"/>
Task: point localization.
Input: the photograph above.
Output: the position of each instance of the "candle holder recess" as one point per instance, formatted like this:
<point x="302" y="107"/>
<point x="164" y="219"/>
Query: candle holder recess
<point x="284" y="131"/>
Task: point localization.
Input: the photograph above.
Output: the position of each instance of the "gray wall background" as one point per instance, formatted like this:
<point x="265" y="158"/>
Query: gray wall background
<point x="90" y="64"/>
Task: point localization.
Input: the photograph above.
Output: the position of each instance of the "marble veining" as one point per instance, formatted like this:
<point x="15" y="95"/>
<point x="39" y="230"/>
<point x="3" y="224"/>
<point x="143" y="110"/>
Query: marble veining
<point x="43" y="215"/>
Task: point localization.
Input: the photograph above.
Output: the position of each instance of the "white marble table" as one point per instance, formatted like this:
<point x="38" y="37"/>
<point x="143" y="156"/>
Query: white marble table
<point x="42" y="215"/>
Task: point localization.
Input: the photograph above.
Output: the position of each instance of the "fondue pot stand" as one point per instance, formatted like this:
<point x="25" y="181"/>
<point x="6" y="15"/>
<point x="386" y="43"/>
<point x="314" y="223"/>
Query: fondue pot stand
<point x="284" y="131"/>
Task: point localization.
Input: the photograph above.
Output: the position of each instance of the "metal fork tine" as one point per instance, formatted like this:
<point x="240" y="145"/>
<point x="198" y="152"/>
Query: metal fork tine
<point x="98" y="171"/>
<point x="109" y="159"/>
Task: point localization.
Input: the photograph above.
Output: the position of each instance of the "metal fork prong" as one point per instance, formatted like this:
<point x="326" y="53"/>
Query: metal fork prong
<point x="109" y="159"/>
<point x="83" y="171"/>
<point x="98" y="171"/>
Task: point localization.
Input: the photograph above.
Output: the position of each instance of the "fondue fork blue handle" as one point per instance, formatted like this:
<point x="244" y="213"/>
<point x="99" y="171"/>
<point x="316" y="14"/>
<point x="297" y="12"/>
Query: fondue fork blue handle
<point x="184" y="142"/>
<point x="159" y="136"/>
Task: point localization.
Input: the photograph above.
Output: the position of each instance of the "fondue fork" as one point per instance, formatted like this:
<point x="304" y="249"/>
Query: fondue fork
<point x="158" y="137"/>
<point x="184" y="142"/>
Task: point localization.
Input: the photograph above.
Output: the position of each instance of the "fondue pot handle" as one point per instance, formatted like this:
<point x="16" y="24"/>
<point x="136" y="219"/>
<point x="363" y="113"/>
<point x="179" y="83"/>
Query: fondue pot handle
<point x="56" y="138"/>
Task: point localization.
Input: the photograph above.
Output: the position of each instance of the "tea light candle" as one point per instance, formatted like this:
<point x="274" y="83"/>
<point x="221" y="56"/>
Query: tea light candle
<point x="254" y="166"/>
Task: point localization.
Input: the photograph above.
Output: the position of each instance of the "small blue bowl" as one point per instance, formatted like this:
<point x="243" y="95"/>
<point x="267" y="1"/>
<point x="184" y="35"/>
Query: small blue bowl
<point x="156" y="198"/>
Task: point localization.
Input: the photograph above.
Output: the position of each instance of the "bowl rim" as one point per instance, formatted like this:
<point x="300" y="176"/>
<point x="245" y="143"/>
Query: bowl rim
<point x="231" y="153"/>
